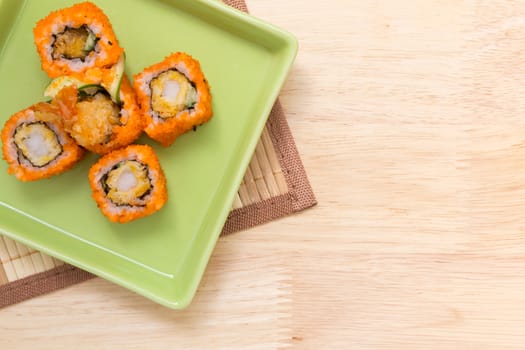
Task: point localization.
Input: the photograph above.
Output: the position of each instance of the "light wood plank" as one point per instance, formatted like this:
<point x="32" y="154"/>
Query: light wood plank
<point x="253" y="193"/>
<point x="237" y="203"/>
<point x="14" y="258"/>
<point x="3" y="276"/>
<point x="275" y="164"/>
<point x="7" y="264"/>
<point x="57" y="262"/>
<point x="258" y="178"/>
<point x="48" y="261"/>
<point x="267" y="173"/>
<point x="37" y="260"/>
<point x="25" y="258"/>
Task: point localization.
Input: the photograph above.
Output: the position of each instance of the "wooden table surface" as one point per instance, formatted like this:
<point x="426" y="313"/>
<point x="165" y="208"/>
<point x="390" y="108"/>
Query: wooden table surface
<point x="409" y="119"/>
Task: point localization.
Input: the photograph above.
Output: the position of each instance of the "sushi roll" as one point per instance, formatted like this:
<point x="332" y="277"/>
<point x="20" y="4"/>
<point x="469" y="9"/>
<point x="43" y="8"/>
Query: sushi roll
<point x="76" y="39"/>
<point x="174" y="97"/>
<point x="35" y="144"/>
<point x="128" y="183"/>
<point x="95" y="121"/>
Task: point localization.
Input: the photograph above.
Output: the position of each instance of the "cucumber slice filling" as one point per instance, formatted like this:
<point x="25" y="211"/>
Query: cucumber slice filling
<point x="114" y="88"/>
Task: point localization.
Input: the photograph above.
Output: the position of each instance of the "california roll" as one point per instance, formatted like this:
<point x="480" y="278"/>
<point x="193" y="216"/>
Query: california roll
<point x="174" y="96"/>
<point x="128" y="183"/>
<point x="36" y="145"/>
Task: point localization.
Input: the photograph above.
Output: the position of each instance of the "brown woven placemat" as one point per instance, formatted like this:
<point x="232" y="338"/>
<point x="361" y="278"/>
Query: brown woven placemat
<point x="275" y="185"/>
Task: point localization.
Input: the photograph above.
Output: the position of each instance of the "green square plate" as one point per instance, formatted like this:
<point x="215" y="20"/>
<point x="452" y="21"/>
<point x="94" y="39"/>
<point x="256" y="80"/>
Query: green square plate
<point x="162" y="256"/>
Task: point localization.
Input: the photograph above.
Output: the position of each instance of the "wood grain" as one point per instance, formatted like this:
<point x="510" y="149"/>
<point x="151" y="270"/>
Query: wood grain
<point x="409" y="119"/>
<point x="3" y="276"/>
<point x="221" y="316"/>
